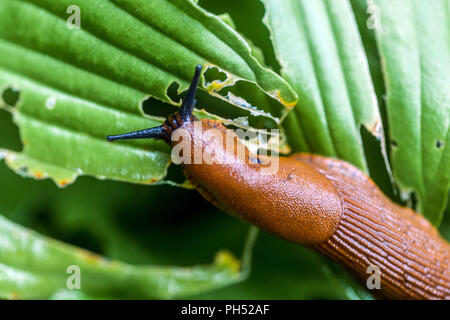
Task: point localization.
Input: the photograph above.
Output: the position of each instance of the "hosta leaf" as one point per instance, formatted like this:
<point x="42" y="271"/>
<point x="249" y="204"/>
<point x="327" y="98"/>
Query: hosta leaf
<point x="33" y="266"/>
<point x="320" y="51"/>
<point x="78" y="85"/>
<point x="414" y="44"/>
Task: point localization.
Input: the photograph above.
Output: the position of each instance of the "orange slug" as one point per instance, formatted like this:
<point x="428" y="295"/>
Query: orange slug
<point x="323" y="203"/>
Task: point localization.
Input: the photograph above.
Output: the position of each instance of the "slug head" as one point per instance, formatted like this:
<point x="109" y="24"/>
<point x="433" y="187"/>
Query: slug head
<point x="190" y="129"/>
<point x="173" y="122"/>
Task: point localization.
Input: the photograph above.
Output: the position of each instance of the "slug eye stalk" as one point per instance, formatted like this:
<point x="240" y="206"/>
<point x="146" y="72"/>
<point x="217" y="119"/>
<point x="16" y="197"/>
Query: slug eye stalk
<point x="187" y="107"/>
<point x="185" y="113"/>
<point x="155" y="133"/>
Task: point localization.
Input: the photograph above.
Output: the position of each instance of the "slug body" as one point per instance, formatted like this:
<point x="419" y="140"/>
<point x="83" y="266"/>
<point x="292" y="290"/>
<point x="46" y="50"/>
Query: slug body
<point x="326" y="204"/>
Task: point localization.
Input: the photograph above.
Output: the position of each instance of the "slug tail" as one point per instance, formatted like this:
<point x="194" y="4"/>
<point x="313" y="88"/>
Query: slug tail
<point x="376" y="234"/>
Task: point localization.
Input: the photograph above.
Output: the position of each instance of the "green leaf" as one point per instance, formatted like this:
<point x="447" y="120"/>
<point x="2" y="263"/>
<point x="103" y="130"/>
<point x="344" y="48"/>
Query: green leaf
<point x="414" y="43"/>
<point x="33" y="266"/>
<point x="320" y="51"/>
<point x="78" y="85"/>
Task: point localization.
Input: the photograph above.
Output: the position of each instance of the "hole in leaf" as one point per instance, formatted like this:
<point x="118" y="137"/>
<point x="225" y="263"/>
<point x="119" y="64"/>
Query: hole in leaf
<point x="11" y="96"/>
<point x="155" y="107"/>
<point x="172" y="92"/>
<point x="10" y="138"/>
<point x="259" y="104"/>
<point x="217" y="106"/>
<point x="214" y="74"/>
<point x="394" y="144"/>
<point x="439" y="144"/>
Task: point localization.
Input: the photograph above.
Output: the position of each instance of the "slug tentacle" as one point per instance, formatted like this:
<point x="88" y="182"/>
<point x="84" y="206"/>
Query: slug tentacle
<point x="155" y="133"/>
<point x="187" y="107"/>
